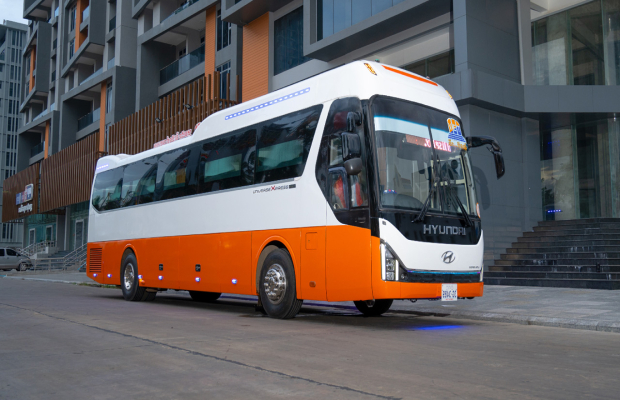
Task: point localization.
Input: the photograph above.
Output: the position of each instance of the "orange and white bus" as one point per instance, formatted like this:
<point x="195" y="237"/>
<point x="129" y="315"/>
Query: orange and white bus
<point x="353" y="185"/>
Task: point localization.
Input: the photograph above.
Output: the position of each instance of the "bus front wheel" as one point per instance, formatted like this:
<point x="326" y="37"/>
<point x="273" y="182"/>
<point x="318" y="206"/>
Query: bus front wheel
<point x="278" y="293"/>
<point x="129" y="281"/>
<point x="373" y="308"/>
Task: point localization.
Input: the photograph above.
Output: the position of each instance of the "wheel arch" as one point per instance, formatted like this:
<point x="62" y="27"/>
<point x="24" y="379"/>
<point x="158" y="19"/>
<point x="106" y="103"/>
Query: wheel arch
<point x="129" y="249"/>
<point x="270" y="245"/>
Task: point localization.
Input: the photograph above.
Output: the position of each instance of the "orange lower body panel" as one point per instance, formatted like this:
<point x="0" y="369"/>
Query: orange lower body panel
<point x="333" y="263"/>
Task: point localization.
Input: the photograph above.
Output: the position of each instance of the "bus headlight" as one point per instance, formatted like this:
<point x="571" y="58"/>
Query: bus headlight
<point x="389" y="264"/>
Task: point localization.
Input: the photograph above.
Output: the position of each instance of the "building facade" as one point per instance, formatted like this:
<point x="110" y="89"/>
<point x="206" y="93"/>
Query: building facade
<point x="541" y="76"/>
<point x="12" y="39"/>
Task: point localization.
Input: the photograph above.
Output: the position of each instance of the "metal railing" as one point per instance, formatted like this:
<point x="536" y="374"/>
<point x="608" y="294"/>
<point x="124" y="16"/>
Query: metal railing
<point x="88" y="119"/>
<point x="36" y="248"/>
<point x="73" y="261"/>
<point x="38" y="149"/>
<point x="85" y="13"/>
<point x="182" y="65"/>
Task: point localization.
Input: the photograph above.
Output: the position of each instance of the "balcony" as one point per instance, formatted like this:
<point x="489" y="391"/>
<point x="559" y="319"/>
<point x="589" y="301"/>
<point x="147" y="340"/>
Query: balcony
<point x="178" y="10"/>
<point x="88" y="119"/>
<point x="85" y="13"/>
<point x="112" y="24"/>
<point x="182" y="65"/>
<point x="38" y="149"/>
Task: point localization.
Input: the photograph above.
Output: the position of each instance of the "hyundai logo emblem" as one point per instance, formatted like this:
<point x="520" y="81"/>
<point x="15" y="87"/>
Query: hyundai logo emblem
<point x="448" y="257"/>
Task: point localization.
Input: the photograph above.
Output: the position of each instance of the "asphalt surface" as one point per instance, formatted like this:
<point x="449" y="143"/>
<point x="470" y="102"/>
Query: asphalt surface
<point x="61" y="341"/>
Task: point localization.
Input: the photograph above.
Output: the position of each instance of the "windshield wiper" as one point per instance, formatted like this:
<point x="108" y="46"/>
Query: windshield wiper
<point x="427" y="202"/>
<point x="455" y="198"/>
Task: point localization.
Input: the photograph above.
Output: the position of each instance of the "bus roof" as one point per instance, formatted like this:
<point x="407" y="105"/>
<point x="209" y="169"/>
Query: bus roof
<point x="362" y="79"/>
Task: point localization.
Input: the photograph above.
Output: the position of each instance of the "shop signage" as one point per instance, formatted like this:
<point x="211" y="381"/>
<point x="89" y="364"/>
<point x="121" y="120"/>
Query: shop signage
<point x="24" y="196"/>
<point x="176" y="136"/>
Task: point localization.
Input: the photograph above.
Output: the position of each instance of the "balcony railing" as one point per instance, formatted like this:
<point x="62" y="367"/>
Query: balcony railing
<point x="112" y="24"/>
<point x="183" y="7"/>
<point x="55" y="43"/>
<point x="85" y="13"/>
<point x="56" y="12"/>
<point x="94" y="74"/>
<point x="182" y="65"/>
<point x="53" y="76"/>
<point x="88" y="119"/>
<point x="111" y="63"/>
<point x="38" y="149"/>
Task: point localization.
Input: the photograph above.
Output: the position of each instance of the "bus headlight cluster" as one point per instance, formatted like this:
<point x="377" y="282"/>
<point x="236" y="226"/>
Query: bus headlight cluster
<point x="389" y="265"/>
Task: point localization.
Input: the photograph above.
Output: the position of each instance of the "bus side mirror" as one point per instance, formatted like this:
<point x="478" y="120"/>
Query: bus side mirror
<point x="353" y="120"/>
<point x="353" y="166"/>
<point x="351" y="146"/>
<point x="477" y="141"/>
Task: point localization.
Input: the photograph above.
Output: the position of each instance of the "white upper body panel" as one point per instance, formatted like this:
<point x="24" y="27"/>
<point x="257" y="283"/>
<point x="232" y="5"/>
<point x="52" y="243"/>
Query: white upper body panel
<point x="252" y="208"/>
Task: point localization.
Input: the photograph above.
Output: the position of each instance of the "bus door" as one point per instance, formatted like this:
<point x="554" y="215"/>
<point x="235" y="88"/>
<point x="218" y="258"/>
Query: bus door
<point x="344" y="181"/>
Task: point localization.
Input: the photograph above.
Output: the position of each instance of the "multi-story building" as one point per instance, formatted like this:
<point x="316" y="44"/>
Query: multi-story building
<point x="541" y="76"/>
<point x="12" y="39"/>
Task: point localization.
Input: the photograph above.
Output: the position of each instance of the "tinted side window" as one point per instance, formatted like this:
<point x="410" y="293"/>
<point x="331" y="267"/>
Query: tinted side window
<point x="227" y="161"/>
<point x="139" y="182"/>
<point x="107" y="189"/>
<point x="10" y="252"/>
<point x="173" y="174"/>
<point x="284" y="144"/>
<point x="1" y="252"/>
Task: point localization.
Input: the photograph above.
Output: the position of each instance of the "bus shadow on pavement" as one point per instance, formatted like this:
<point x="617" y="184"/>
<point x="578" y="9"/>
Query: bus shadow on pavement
<point x="335" y="314"/>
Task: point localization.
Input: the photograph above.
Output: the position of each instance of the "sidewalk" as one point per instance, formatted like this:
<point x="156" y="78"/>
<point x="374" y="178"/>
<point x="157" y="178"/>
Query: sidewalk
<point x="559" y="307"/>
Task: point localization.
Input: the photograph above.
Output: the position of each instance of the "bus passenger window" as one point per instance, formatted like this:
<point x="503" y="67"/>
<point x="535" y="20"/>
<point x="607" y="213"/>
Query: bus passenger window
<point x="172" y="174"/>
<point x="227" y="162"/>
<point x="139" y="182"/>
<point x="107" y="189"/>
<point x="284" y="144"/>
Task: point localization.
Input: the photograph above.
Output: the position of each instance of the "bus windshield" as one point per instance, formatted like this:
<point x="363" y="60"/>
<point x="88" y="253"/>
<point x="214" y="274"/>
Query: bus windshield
<point x="409" y="166"/>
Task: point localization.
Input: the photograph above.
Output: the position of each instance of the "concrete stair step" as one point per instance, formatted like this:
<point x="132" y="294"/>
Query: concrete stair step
<point x="558" y="256"/>
<point x="564" y="238"/>
<point x="531" y="243"/>
<point x="565" y="283"/>
<point x="611" y="276"/>
<point x="601" y="225"/>
<point x="561" y="249"/>
<point x="556" y="268"/>
<point x="575" y="222"/>
<point x="573" y="232"/>
<point x="563" y="261"/>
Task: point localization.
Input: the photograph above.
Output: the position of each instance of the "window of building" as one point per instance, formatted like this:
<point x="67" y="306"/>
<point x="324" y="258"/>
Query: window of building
<point x="579" y="46"/>
<point x="336" y="15"/>
<point x="224" y="70"/>
<point x="71" y="48"/>
<point x="289" y="41"/>
<point x="432" y="67"/>
<point x="108" y="97"/>
<point x="72" y="19"/>
<point x="224" y="32"/>
<point x="1" y="67"/>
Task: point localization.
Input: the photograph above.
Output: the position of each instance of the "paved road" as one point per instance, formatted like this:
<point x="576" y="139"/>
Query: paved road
<point x="63" y="341"/>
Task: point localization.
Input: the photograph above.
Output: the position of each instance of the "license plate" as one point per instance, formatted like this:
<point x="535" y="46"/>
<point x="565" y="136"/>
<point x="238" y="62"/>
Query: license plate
<point x="448" y="292"/>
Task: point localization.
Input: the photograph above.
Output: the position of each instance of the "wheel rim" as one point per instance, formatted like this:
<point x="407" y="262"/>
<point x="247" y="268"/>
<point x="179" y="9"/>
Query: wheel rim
<point x="275" y="283"/>
<point x="370" y="303"/>
<point x="128" y="277"/>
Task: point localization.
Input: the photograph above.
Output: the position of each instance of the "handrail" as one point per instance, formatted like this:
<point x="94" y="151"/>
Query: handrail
<point x="74" y="260"/>
<point x="35" y="248"/>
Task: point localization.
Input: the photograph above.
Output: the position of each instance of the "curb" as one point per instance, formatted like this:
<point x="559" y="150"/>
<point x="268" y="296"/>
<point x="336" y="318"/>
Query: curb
<point x="590" y="325"/>
<point x="94" y="284"/>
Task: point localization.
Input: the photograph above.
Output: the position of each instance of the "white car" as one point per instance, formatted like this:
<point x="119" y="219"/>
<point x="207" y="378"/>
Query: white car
<point x="10" y="259"/>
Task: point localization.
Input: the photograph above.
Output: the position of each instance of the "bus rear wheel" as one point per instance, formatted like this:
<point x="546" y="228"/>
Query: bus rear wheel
<point x="130" y="282"/>
<point x="204" y="297"/>
<point x="277" y="290"/>
<point x="373" y="308"/>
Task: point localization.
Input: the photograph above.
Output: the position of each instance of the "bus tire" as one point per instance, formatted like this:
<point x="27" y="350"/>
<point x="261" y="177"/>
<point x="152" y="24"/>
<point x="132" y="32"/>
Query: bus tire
<point x="373" y="308"/>
<point x="204" y="297"/>
<point x="278" y="292"/>
<point x="129" y="280"/>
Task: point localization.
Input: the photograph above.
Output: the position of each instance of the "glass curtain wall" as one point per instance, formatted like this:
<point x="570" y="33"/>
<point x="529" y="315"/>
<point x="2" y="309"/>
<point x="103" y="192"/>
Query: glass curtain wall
<point x="336" y="15"/>
<point x="580" y="46"/>
<point x="581" y="169"/>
